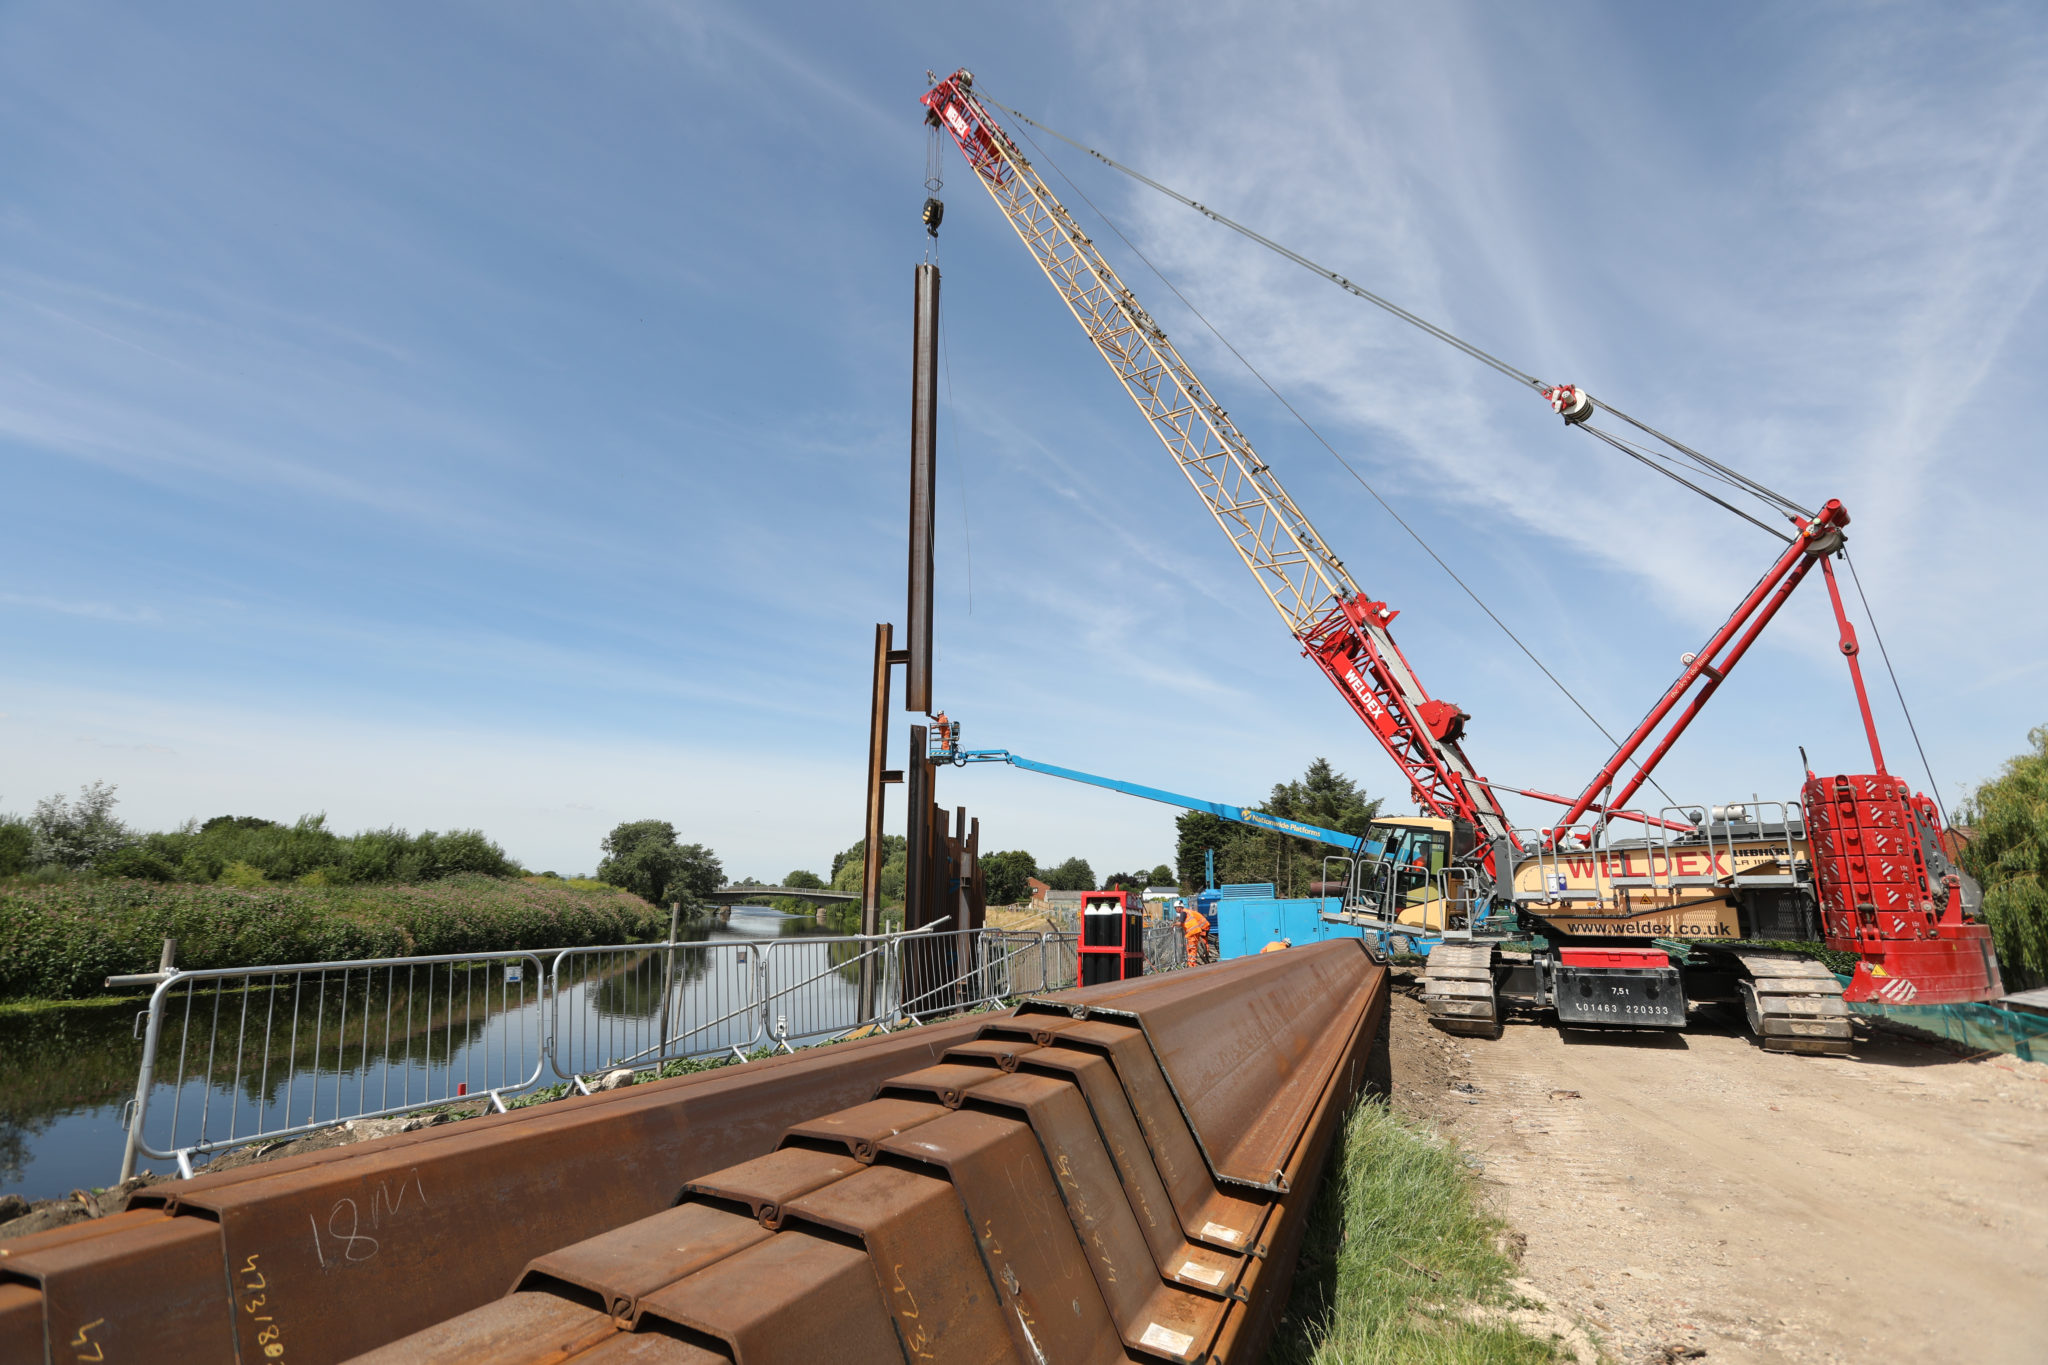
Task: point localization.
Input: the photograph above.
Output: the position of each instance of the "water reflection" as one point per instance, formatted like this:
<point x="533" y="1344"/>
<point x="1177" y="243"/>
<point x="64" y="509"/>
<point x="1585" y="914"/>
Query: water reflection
<point x="361" y="1036"/>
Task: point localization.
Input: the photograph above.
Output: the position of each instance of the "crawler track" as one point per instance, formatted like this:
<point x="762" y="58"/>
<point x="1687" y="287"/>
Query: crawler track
<point x="1794" y="1004"/>
<point x="1458" y="991"/>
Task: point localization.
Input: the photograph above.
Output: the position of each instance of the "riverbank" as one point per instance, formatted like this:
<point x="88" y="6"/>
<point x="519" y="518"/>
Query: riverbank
<point x="60" y="942"/>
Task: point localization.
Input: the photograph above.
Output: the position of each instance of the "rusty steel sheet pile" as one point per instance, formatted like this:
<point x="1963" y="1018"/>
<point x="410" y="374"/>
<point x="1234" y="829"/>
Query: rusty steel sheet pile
<point x="1121" y="1172"/>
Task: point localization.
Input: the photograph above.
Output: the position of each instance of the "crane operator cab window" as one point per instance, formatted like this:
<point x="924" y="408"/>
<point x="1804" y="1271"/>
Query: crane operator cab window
<point x="1415" y="858"/>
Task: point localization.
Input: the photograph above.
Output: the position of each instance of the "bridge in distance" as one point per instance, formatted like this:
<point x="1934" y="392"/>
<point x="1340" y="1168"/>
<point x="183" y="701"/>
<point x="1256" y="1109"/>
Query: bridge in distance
<point x="748" y="895"/>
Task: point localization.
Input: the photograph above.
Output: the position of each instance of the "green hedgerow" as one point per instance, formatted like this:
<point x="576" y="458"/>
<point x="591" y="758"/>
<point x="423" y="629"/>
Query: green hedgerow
<point x="62" y="940"/>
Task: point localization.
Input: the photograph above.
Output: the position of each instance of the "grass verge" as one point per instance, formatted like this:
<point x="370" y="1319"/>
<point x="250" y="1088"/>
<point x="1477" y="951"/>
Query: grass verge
<point x="1400" y="1262"/>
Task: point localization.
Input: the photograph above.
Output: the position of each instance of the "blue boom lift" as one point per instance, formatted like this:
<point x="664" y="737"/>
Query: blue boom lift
<point x="1396" y="893"/>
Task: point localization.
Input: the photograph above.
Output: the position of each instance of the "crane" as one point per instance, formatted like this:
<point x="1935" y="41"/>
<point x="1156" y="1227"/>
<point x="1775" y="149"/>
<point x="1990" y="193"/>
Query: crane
<point x="1860" y="862"/>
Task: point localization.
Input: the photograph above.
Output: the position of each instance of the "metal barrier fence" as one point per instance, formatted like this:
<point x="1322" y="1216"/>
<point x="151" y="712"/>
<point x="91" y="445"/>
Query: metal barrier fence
<point x="258" y="1053"/>
<point x="1166" y="947"/>
<point x="240" y="1055"/>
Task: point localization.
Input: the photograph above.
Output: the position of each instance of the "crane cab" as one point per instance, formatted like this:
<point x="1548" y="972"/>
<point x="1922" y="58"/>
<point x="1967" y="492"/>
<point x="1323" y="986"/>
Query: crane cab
<point x="1409" y="883"/>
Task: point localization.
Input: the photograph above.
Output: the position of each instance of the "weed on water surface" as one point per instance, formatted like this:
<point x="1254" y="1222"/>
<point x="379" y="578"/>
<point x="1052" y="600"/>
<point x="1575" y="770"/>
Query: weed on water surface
<point x="1400" y="1263"/>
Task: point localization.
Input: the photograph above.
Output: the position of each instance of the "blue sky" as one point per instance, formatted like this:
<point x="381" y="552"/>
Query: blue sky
<point x="495" y="414"/>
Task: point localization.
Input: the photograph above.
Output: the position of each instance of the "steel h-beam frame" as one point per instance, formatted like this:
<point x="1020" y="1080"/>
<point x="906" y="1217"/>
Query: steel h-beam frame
<point x="924" y="401"/>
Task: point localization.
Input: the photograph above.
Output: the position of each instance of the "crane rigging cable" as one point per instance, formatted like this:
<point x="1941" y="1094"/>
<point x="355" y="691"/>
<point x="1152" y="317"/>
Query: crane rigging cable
<point x="1775" y="500"/>
<point x="1347" y="466"/>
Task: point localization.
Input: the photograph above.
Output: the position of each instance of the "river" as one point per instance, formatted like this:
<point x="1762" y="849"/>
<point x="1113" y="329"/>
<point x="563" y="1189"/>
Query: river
<point x="66" y="1074"/>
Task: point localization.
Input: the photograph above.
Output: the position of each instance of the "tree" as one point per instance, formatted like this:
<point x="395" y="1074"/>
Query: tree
<point x="1006" y="877"/>
<point x="1324" y="797"/>
<point x="1196" y="833"/>
<point x="1072" y="875"/>
<point x="803" y="881"/>
<point x="76" y="834"/>
<point x="2008" y="853"/>
<point x="846" y="868"/>
<point x="17" y="839"/>
<point x="1162" y="875"/>
<point x="644" y="857"/>
<point x="1133" y="882"/>
<point x="1321" y="796"/>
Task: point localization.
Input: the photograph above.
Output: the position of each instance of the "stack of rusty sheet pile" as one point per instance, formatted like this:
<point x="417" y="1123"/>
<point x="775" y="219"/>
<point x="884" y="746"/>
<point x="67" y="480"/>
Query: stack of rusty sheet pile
<point x="1122" y="1172"/>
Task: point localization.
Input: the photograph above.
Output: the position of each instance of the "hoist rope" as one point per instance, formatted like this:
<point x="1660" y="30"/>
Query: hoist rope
<point x="1629" y="450"/>
<point x="966" y="526"/>
<point x="1777" y="500"/>
<point x="1347" y="466"/>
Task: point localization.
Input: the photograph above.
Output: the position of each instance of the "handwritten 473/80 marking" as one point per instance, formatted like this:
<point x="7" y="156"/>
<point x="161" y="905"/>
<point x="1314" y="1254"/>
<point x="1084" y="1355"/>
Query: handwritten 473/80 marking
<point x="254" y="1302"/>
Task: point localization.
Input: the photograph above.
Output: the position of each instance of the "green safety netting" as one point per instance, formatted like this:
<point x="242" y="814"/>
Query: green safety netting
<point x="1979" y="1027"/>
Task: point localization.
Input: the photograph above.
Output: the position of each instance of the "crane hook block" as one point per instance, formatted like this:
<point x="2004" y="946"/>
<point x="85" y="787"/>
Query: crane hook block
<point x="1570" y="402"/>
<point x="934" y="214"/>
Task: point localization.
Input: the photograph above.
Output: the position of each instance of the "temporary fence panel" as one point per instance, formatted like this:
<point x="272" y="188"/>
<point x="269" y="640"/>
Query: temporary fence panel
<point x="641" y="1005"/>
<point x="810" y="987"/>
<point x="246" y="1054"/>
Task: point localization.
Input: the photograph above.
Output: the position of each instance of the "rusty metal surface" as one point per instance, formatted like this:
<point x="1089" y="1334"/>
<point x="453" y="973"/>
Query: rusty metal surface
<point x="1246" y="1051"/>
<point x="21" y="1325"/>
<point x="1248" y="1327"/>
<point x="648" y="1348"/>
<point x="1035" y="1261"/>
<point x="794" y="1299"/>
<point x="169" y="1195"/>
<point x="768" y="1182"/>
<point x="947" y="1083"/>
<point x="1178" y="1259"/>
<point x="519" y="1329"/>
<point x="1005" y="1053"/>
<point x="624" y="1265"/>
<point x="150" y="1289"/>
<point x="1155" y="1318"/>
<point x="21" y="1322"/>
<point x="378" y="1227"/>
<point x="923" y="1254"/>
<point x="863" y="1126"/>
<point x="1208" y="1213"/>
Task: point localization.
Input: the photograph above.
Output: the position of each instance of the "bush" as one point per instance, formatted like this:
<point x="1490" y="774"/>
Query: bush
<point x="136" y="861"/>
<point x="76" y="834"/>
<point x="243" y="850"/>
<point x="242" y="874"/>
<point x="16" y="839"/>
<point x="64" y="939"/>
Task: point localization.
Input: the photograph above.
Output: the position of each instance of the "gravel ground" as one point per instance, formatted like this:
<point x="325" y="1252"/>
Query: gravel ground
<point x="1683" y="1194"/>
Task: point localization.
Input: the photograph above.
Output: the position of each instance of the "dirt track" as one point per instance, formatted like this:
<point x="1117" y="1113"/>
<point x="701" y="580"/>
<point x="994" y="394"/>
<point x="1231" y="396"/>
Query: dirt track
<point x="1693" y="1191"/>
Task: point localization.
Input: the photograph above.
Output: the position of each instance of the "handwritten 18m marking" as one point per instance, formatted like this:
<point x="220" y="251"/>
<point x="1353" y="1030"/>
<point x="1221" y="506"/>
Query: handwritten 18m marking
<point x="345" y="1222"/>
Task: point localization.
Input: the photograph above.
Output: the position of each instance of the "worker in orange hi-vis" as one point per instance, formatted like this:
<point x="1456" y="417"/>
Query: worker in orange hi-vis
<point x="1195" y="925"/>
<point x="1277" y="944"/>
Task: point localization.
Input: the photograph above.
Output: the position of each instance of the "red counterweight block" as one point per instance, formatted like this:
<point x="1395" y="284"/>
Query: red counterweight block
<point x="1869" y="835"/>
